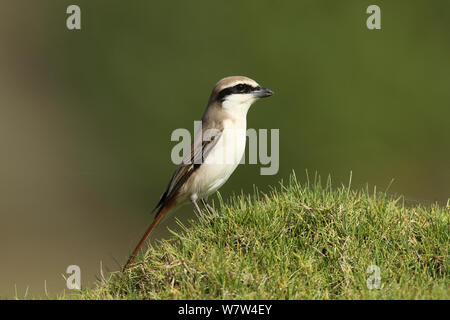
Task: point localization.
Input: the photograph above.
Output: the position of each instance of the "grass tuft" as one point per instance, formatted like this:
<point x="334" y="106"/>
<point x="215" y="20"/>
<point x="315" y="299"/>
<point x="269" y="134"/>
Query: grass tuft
<point x="309" y="241"/>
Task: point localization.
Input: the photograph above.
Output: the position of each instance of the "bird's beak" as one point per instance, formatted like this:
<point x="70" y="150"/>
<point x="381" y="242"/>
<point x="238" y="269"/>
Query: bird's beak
<point x="262" y="93"/>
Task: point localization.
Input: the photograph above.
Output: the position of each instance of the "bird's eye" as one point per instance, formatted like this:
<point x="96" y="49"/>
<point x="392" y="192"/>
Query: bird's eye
<point x="240" y="87"/>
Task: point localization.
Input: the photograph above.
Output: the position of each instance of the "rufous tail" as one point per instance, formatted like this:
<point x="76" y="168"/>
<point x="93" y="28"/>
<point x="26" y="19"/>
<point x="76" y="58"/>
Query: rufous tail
<point x="155" y="222"/>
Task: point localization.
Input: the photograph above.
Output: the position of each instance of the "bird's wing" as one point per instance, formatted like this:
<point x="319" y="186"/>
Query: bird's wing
<point x="200" y="148"/>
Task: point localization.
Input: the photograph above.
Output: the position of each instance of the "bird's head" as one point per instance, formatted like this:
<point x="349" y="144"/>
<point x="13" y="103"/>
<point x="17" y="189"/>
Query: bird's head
<point x="237" y="93"/>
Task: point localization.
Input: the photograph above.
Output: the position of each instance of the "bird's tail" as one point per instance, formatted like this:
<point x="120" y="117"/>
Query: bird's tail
<point x="159" y="215"/>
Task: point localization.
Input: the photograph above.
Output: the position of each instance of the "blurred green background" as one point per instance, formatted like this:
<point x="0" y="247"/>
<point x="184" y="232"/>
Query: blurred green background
<point x="86" y="116"/>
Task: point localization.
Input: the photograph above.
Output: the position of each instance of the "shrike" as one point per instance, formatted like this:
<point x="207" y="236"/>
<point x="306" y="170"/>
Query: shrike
<point x="216" y="151"/>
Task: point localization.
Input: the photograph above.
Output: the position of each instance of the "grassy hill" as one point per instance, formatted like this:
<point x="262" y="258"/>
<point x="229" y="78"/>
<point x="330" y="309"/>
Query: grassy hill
<point x="309" y="241"/>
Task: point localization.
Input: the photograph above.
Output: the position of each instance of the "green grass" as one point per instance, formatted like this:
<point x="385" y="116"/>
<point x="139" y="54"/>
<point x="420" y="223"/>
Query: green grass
<point x="309" y="241"/>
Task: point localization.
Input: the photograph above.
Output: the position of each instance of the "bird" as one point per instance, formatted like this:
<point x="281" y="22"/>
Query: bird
<point x="217" y="150"/>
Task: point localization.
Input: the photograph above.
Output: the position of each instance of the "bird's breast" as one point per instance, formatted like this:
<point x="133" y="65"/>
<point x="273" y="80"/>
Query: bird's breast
<point x="222" y="160"/>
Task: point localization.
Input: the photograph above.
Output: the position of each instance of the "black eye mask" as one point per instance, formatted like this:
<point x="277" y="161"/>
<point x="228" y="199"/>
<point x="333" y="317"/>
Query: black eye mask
<point x="240" y="88"/>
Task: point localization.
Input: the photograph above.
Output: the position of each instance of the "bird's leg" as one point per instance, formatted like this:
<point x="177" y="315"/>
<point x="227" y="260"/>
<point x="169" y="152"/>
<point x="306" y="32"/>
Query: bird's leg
<point x="204" y="205"/>
<point x="208" y="207"/>
<point x="196" y="207"/>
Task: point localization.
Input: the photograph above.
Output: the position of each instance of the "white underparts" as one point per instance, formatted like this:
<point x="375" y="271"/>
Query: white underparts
<point x="226" y="155"/>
